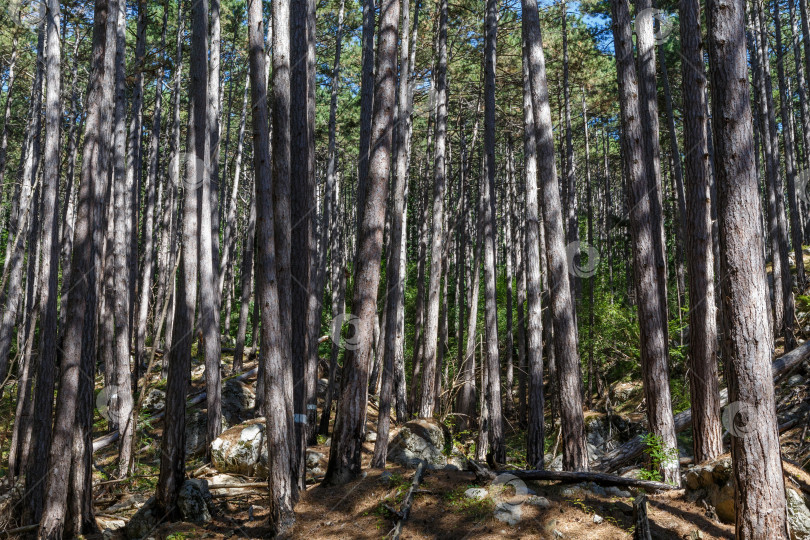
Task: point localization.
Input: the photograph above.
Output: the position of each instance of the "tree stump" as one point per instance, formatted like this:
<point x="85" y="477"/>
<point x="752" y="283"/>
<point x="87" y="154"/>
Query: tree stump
<point x="642" y="531"/>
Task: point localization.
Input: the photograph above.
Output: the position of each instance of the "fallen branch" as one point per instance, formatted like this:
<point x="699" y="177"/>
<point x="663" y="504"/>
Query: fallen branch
<point x="232" y="486"/>
<point x="405" y="509"/>
<point x="575" y="477"/>
<point x="11" y="533"/>
<point x="634" y="448"/>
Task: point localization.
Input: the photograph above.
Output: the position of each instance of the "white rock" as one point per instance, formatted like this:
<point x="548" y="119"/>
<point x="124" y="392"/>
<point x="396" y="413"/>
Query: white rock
<point x="598" y="519"/>
<point x="419" y="441"/>
<point x="798" y="516"/>
<point x="242" y="450"/>
<point x="476" y="493"/>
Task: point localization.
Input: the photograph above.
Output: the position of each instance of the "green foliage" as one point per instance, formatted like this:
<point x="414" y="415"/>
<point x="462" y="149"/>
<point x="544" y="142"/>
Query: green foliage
<point x="658" y="454"/>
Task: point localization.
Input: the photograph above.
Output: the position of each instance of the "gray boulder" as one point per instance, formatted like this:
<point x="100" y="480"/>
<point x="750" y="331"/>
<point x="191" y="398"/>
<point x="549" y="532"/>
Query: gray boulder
<point x="155" y="400"/>
<point x="144" y="522"/>
<point x="553" y="463"/>
<point x="241" y="449"/>
<point x="314" y="459"/>
<point x="193" y="501"/>
<point x="420" y="441"/>
<point x="196" y="431"/>
<point x="798" y="516"/>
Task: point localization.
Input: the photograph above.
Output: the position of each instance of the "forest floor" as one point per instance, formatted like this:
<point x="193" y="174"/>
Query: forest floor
<point x="359" y="510"/>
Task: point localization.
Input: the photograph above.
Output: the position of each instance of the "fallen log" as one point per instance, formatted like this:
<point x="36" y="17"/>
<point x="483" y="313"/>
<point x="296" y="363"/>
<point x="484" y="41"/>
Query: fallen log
<point x="575" y="477"/>
<point x="634" y="448"/>
<point x="405" y="509"/>
<point x="106" y="440"/>
<point x="238" y="486"/>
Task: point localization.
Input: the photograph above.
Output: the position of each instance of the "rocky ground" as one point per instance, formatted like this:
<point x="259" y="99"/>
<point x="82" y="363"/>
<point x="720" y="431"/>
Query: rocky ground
<point x="226" y="498"/>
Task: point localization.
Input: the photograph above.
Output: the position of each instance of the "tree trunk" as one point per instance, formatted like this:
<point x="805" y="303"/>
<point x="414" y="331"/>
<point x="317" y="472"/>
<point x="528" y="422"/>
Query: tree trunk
<point x="510" y="246"/>
<point x="801" y="86"/>
<point x="172" y="455"/>
<point x="677" y="171"/>
<point x="465" y="401"/>
<point x="78" y="345"/>
<point x="21" y="210"/>
<point x="575" y="454"/>
<point x="39" y="444"/>
<point x="747" y="343"/>
<point x="366" y="108"/>
<point x="301" y="205"/>
<point x="707" y="433"/>
<point x="493" y="389"/>
<point x="246" y="286"/>
<point x="777" y="226"/>
<point x="120" y="394"/>
<point x="592" y="262"/>
<point x="396" y="266"/>
<point x="145" y="289"/>
<point x="429" y="367"/>
<point x="648" y="108"/>
<point x="644" y="233"/>
<point x="786" y="118"/>
<point x="12" y="64"/>
<point x="535" y="435"/>
<point x="278" y="391"/>
<point x="571" y="204"/>
<point x="349" y="433"/>
<point x="209" y="232"/>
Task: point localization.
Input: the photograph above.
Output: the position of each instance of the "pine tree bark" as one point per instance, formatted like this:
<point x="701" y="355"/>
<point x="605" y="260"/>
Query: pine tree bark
<point x="510" y="249"/>
<point x="301" y="204"/>
<point x="12" y="77"/>
<point x="147" y="270"/>
<point x="644" y="233"/>
<point x="748" y="343"/>
<point x="246" y="286"/>
<point x="21" y="212"/>
<point x="396" y="265"/>
<point x="791" y="164"/>
<point x="366" y="107"/>
<point x="349" y="432"/>
<point x="49" y="270"/>
<point x="707" y="430"/>
<point x="121" y="399"/>
<point x="465" y="400"/>
<point x="571" y="203"/>
<point x="493" y="367"/>
<point x="429" y="367"/>
<point x="777" y="226"/>
<point x="648" y="108"/>
<point x="172" y="455"/>
<point x="575" y="454"/>
<point x="801" y="87"/>
<point x="535" y="434"/>
<point x="78" y="344"/>
<point x="278" y="392"/>
<point x="207" y="179"/>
